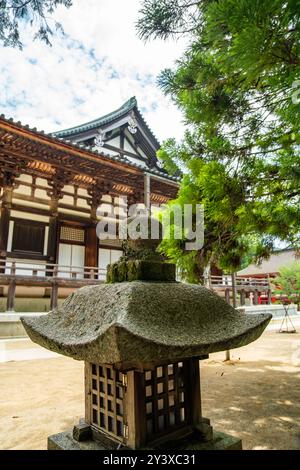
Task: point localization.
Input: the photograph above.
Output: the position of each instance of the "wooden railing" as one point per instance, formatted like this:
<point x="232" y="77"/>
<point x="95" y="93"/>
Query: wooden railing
<point x="33" y="269"/>
<point x="15" y="272"/>
<point x="235" y="287"/>
<point x="241" y="282"/>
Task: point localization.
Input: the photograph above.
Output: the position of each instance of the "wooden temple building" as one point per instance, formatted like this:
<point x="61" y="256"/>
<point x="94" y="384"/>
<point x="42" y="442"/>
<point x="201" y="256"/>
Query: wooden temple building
<point x="51" y="186"/>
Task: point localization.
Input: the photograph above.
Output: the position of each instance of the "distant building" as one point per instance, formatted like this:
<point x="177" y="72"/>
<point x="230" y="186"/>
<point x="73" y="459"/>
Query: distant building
<point x="271" y="266"/>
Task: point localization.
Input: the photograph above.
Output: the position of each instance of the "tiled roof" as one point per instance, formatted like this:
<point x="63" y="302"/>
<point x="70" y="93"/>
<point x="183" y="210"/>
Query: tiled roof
<point x="128" y="106"/>
<point x="272" y="265"/>
<point x="117" y="158"/>
<point x="125" y="108"/>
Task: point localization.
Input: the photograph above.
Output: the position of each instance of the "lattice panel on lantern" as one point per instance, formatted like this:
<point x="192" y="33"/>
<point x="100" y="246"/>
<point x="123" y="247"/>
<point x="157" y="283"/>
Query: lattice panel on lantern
<point x="107" y="400"/>
<point x="165" y="398"/>
<point x="72" y="234"/>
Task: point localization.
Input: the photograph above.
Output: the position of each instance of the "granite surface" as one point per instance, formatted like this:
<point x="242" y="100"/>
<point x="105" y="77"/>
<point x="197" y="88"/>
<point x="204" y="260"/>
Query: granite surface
<point x="132" y="323"/>
<point x="221" y="441"/>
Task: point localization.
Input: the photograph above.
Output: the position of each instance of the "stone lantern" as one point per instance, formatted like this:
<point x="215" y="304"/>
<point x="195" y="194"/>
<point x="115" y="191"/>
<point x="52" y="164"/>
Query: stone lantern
<point x="141" y="336"/>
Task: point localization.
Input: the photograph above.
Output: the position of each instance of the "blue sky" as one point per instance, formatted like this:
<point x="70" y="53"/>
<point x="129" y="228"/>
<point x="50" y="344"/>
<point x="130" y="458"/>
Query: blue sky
<point x="97" y="66"/>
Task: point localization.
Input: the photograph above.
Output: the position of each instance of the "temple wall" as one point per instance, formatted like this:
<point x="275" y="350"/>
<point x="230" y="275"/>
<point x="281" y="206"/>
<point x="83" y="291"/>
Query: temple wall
<point x="63" y="210"/>
<point x="27" y="215"/>
<point x="108" y="256"/>
<point x="73" y="256"/>
<point x="32" y="192"/>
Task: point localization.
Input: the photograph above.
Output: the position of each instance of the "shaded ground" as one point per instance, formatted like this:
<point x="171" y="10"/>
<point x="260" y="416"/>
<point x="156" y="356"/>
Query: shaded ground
<point x="255" y="396"/>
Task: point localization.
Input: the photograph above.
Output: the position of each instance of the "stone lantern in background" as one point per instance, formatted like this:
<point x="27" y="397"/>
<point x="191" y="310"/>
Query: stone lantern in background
<point x="141" y="336"/>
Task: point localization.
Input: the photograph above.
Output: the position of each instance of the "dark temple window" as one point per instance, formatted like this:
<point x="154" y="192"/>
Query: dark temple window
<point x="28" y="237"/>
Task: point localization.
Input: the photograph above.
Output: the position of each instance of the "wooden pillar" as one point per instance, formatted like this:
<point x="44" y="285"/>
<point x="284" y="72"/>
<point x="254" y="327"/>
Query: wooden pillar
<point x="88" y="392"/>
<point x="243" y="297"/>
<point x="10" y="303"/>
<point x="269" y="297"/>
<point x="54" y="290"/>
<point x="52" y="248"/>
<point x="5" y="218"/>
<point x="135" y="409"/>
<point x="54" y="296"/>
<point x="234" y="299"/>
<point x="4" y="227"/>
<point x="91" y="247"/>
<point x="57" y="184"/>
<point x="147" y="190"/>
<point x="255" y="300"/>
<point x="94" y="206"/>
<point x="91" y="238"/>
<point x="269" y="291"/>
<point x="193" y="391"/>
<point x="4" y="230"/>
<point x="234" y="304"/>
<point x="227" y="296"/>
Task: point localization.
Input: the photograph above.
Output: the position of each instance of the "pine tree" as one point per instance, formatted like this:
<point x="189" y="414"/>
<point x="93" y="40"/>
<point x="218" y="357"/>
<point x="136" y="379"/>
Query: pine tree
<point x="34" y="12"/>
<point x="238" y="86"/>
<point x="287" y="283"/>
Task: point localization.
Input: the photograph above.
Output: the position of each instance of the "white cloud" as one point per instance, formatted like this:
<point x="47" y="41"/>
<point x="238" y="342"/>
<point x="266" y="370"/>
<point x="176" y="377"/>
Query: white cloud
<point x="99" y="65"/>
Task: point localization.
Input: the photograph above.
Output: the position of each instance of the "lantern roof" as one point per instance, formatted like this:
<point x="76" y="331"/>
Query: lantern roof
<point x="134" y="324"/>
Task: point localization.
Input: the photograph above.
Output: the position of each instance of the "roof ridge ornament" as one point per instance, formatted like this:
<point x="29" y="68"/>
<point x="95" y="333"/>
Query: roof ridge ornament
<point x="132" y="123"/>
<point x="99" y="139"/>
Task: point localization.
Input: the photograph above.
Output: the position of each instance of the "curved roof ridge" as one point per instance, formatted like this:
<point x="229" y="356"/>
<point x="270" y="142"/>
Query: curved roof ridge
<point x="147" y="127"/>
<point x="127" y="106"/>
